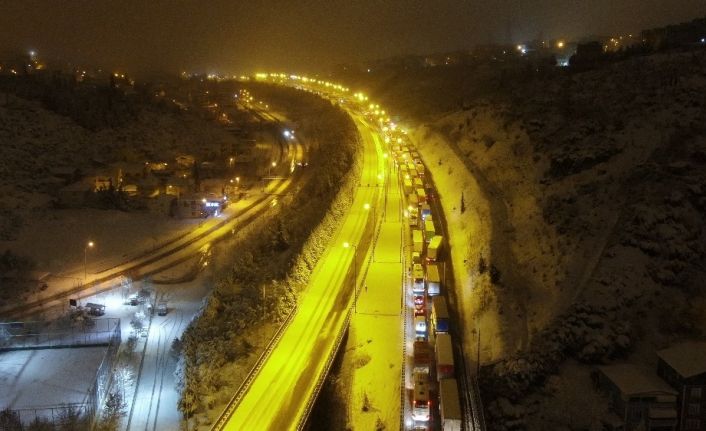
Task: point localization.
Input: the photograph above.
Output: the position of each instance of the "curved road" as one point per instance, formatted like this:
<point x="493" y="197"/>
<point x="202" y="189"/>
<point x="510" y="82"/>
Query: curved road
<point x="279" y="397"/>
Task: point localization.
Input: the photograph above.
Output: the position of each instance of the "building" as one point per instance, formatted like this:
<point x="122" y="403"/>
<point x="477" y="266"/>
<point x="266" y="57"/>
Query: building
<point x="683" y="366"/>
<point x="640" y="400"/>
<point x="200" y="205"/>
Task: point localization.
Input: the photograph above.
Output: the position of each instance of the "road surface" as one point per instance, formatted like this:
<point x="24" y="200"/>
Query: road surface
<point x="280" y="395"/>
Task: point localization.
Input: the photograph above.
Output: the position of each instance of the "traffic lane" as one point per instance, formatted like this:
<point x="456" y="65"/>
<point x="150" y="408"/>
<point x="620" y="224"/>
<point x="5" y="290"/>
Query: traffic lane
<point x="267" y="397"/>
<point x="317" y="300"/>
<point x="312" y="325"/>
<point x="321" y="289"/>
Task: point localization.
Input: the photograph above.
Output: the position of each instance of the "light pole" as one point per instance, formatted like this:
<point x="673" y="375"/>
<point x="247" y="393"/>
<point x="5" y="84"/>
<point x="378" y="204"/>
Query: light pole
<point x="355" y="274"/>
<point x="85" y="257"/>
<point x="367" y="206"/>
<point x="269" y="170"/>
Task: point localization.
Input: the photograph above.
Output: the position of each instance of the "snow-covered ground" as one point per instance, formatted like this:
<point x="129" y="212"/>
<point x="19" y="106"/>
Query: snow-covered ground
<point x="27" y="382"/>
<point x="373" y="357"/>
<point x="156" y="398"/>
<point x="584" y="195"/>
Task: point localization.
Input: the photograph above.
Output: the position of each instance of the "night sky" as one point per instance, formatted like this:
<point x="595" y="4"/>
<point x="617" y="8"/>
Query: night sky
<point x="304" y="36"/>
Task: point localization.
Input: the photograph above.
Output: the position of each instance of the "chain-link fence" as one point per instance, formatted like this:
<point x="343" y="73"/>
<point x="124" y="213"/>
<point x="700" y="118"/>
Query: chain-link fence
<point x="39" y="335"/>
<point x="77" y="416"/>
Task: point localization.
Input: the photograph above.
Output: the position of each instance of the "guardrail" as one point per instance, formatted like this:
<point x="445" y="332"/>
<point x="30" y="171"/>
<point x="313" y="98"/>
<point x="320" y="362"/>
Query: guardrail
<point x="366" y="241"/>
<point x="477" y="406"/>
<point x="254" y="371"/>
<point x="327" y="366"/>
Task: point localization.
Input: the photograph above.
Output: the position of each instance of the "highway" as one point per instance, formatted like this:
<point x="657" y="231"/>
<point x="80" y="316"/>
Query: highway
<point x="282" y="392"/>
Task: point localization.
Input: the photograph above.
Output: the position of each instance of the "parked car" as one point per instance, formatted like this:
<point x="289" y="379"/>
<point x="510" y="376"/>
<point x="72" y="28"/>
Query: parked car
<point x="162" y="309"/>
<point x="133" y="299"/>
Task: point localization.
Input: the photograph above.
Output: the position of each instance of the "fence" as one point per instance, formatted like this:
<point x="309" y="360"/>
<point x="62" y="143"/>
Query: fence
<point x="66" y="416"/>
<point x="43" y="335"/>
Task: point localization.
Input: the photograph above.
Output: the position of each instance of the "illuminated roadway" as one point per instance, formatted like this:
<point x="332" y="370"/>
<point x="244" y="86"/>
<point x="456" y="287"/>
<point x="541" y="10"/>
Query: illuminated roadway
<point x="280" y="395"/>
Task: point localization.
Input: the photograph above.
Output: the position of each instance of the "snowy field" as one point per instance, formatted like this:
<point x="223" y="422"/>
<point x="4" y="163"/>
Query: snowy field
<point x="28" y="381"/>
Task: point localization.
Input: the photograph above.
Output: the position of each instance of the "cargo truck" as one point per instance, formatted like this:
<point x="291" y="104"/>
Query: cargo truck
<point x="420" y="328"/>
<point x="425" y="212"/>
<point x="408" y="186"/>
<point x="433" y="248"/>
<point x="429" y="230"/>
<point x="417" y="240"/>
<point x="413" y="215"/>
<point x="421" y="401"/>
<point x="444" y="357"/>
<point x="433" y="280"/>
<point x="418" y="278"/>
<point x="420" y="170"/>
<point x="449" y="405"/>
<point x="411" y="167"/>
<point x="439" y="315"/>
<point x="421" y="196"/>
<point x="422" y="356"/>
<point x="412" y="200"/>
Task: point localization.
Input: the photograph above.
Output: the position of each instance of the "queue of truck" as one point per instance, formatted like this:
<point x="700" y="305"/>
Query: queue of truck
<point x="433" y="360"/>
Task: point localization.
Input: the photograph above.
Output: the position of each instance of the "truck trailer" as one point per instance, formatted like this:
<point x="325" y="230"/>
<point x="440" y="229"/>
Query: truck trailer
<point x="423" y="354"/>
<point x="433" y="280"/>
<point x="429" y="230"/>
<point x="418" y="279"/>
<point x="444" y="357"/>
<point x="433" y="248"/>
<point x="439" y="314"/>
<point x="417" y="240"/>
<point x="449" y="405"/>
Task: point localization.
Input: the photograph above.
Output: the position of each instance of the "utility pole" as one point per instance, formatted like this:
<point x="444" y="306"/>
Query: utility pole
<point x="85" y="257"/>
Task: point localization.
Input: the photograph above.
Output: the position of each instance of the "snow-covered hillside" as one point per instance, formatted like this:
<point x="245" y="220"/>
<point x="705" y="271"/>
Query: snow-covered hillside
<point x="585" y="200"/>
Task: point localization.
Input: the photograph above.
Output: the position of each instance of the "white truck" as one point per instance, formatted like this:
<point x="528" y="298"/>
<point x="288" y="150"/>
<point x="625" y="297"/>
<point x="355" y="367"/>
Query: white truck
<point x="433" y="280"/>
<point x="417" y="240"/>
<point x="449" y="405"/>
<point x="433" y="248"/>
<point x="418" y="279"/>
<point x="444" y="357"/>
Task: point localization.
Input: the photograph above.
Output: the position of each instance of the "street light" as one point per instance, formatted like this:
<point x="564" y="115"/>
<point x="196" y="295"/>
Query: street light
<point x="269" y="170"/>
<point x="355" y="274"/>
<point x="85" y="257"/>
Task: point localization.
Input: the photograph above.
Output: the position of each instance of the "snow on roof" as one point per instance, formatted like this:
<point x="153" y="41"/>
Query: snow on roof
<point x="632" y="381"/>
<point x="687" y="358"/>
